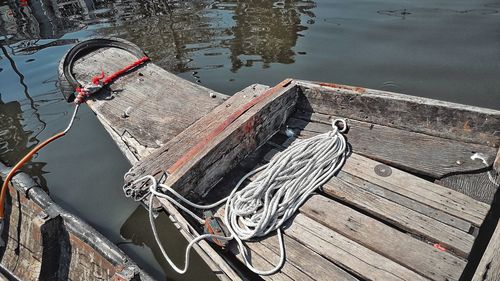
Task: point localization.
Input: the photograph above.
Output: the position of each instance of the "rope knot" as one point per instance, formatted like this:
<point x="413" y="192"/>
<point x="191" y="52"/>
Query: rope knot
<point x="82" y="93"/>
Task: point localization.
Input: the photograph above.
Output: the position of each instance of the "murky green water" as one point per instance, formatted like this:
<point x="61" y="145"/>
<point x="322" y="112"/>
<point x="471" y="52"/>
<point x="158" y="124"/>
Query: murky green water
<point x="446" y="50"/>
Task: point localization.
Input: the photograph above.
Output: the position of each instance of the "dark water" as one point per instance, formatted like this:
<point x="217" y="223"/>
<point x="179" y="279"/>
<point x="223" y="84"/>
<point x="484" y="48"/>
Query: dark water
<point x="446" y="50"/>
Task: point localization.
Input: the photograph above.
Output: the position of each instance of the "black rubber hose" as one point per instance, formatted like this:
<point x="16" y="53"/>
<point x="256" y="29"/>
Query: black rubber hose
<point x="67" y="81"/>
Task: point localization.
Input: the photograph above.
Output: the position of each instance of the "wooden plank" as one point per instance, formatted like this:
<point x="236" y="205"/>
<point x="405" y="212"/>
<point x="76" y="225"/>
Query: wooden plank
<point x="400" y="216"/>
<point x="476" y="185"/>
<point x="489" y="266"/>
<point x="159" y="104"/>
<point x="407" y="202"/>
<point x="413" y="152"/>
<point x="447" y="200"/>
<point x="404" y="249"/>
<point x="346" y="253"/>
<point x="438" y="118"/>
<point x="164" y="157"/>
<point x="239" y="135"/>
<point x="311" y="263"/>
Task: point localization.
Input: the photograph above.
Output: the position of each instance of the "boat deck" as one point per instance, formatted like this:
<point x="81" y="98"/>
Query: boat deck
<point x="373" y="221"/>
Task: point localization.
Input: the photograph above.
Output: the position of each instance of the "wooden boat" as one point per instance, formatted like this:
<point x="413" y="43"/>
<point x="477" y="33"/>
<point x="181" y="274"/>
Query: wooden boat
<point x="414" y="200"/>
<point x="42" y="241"/>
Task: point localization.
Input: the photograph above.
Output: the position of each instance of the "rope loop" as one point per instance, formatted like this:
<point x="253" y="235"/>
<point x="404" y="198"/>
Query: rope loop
<point x="343" y="125"/>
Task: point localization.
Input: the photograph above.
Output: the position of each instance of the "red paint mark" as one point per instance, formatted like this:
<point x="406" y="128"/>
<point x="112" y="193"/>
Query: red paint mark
<point x="195" y="150"/>
<point x="439" y="247"/>
<point x="249" y="126"/>
<point x="359" y="90"/>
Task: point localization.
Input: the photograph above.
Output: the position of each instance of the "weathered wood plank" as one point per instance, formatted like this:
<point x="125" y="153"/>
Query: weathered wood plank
<point x="311" y="263"/>
<point x="164" y="157"/>
<point x="475" y="185"/>
<point x="489" y="266"/>
<point x="413" y="152"/>
<point x="148" y="106"/>
<point x="449" y="201"/>
<point x="346" y="253"/>
<point x="404" y="249"/>
<point x="239" y="135"/>
<point x="404" y="218"/>
<point x="407" y="202"/>
<point x="433" y="117"/>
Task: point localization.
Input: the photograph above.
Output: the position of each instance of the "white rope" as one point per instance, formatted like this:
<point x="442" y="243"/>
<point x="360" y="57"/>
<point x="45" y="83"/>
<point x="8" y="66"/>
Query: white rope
<point x="75" y="111"/>
<point x="493" y="178"/>
<point x="262" y="206"/>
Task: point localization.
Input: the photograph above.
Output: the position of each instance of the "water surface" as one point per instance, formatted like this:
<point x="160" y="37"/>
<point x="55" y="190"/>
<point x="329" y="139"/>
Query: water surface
<point x="447" y="50"/>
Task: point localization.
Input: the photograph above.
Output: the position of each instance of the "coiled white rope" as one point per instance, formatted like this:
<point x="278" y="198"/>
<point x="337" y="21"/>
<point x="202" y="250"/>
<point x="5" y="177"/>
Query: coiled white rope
<point x="262" y="206"/>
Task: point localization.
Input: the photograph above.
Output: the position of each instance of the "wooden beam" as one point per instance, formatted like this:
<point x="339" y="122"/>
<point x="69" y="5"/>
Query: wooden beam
<point x="413" y="152"/>
<point x="238" y="135"/>
<point x="489" y="266"/>
<point x="423" y="115"/>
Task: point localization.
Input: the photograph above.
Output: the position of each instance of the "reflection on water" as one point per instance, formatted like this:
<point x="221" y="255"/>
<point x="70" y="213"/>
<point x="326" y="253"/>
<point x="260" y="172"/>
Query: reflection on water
<point x="15" y="141"/>
<point x="268" y="30"/>
<point x="434" y="48"/>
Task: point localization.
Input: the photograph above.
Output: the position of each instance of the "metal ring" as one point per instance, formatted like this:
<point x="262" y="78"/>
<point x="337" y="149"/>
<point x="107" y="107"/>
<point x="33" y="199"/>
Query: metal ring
<point x="343" y="122"/>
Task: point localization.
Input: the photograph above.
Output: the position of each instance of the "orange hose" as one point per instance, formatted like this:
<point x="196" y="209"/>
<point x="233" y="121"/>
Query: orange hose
<point x="19" y="164"/>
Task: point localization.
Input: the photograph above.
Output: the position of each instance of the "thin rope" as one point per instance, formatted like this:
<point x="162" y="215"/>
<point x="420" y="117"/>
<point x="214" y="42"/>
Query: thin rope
<point x="267" y="202"/>
<point x="493" y="177"/>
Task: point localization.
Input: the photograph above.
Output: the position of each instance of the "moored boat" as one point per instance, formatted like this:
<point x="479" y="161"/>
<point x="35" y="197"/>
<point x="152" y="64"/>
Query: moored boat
<point x="413" y="201"/>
